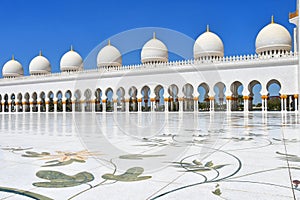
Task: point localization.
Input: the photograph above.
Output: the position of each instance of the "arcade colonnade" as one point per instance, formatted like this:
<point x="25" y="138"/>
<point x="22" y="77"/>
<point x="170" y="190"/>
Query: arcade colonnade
<point x="154" y="98"/>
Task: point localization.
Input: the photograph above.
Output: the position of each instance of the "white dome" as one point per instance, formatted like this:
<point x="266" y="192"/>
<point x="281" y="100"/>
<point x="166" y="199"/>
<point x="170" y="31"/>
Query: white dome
<point x="208" y="44"/>
<point x="273" y="37"/>
<point x="109" y="56"/>
<point x="154" y="51"/>
<point x="71" y="61"/>
<point x="39" y="65"/>
<point x="12" y="68"/>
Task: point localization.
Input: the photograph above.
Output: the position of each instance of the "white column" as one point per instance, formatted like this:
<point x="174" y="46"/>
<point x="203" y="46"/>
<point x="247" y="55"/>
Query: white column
<point x="196" y="108"/>
<point x="93" y="105"/>
<point x="104" y="103"/>
<point x="180" y="101"/>
<point x="73" y="104"/>
<point x="246" y="103"/>
<point x="284" y="104"/>
<point x="115" y="103"/>
<point x="281" y="103"/>
<point x="296" y="104"/>
<point x="64" y="104"/>
<point x="166" y="104"/>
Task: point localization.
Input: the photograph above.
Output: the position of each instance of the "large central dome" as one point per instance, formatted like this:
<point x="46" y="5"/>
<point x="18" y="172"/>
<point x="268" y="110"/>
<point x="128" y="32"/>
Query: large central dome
<point x="273" y="38"/>
<point x="154" y="51"/>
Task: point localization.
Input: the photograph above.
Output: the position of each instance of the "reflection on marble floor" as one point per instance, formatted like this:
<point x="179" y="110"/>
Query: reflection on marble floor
<point x="149" y="156"/>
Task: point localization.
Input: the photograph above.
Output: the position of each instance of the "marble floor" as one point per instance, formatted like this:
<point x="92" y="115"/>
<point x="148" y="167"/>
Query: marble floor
<point x="149" y="156"/>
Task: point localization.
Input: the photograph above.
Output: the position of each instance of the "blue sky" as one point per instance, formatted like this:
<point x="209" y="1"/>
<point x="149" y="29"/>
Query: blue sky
<point x="52" y="26"/>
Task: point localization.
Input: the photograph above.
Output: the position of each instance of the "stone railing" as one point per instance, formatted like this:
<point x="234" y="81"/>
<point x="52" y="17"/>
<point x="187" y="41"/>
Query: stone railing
<point x="172" y="64"/>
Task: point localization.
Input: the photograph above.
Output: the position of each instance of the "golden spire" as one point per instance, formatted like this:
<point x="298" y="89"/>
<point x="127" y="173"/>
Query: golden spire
<point x="108" y="43"/>
<point x="207" y="28"/>
<point x="72" y="48"/>
<point x="272" y="19"/>
<point x="154" y="35"/>
<point x="13" y="57"/>
<point x="40" y="53"/>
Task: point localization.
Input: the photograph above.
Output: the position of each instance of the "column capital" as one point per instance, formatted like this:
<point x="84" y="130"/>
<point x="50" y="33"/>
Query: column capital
<point x="228" y="98"/>
<point x="264" y="96"/>
<point x="296" y="96"/>
<point x="283" y="96"/>
<point x="246" y="97"/>
<point x="211" y="98"/>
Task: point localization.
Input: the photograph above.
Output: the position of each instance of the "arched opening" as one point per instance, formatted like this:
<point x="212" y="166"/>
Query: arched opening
<point x="109" y="100"/>
<point x="121" y="100"/>
<point x="146" y="104"/>
<point x="68" y="96"/>
<point x="255" y="102"/>
<point x="51" y="102"/>
<point x="13" y="103"/>
<point x="173" y="98"/>
<point x="98" y="100"/>
<point x="27" y="102"/>
<point x="6" y="106"/>
<point x="237" y="100"/>
<point x="59" y="103"/>
<point x="159" y="99"/>
<point x="43" y="102"/>
<point x="188" y="99"/>
<point x="77" y="95"/>
<point x="274" y="102"/>
<point x="34" y="102"/>
<point x="220" y="100"/>
<point x="133" y="105"/>
<point x="20" y="103"/>
<point x="87" y="100"/>
<point x="203" y="99"/>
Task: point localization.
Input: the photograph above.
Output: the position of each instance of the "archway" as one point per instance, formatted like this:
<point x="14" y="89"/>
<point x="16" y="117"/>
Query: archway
<point x="20" y="103"/>
<point x="109" y="100"/>
<point x="203" y="99"/>
<point x="173" y="98"/>
<point x="121" y="100"/>
<point x="87" y="101"/>
<point x="255" y="102"/>
<point x="13" y="103"/>
<point x="98" y="100"/>
<point x="159" y="99"/>
<point x="27" y="102"/>
<point x="274" y="102"/>
<point x="68" y="96"/>
<point x="237" y="101"/>
<point x="133" y="105"/>
<point x="220" y="100"/>
<point x="43" y="102"/>
<point x="77" y="95"/>
<point x="59" y="103"/>
<point x="146" y="104"/>
<point x="6" y="106"/>
<point x="34" y="102"/>
<point x="51" y="102"/>
<point x="188" y="99"/>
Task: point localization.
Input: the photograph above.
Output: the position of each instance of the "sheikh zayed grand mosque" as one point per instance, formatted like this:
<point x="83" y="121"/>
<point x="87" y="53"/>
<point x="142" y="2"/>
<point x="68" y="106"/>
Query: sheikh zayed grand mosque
<point x="210" y="82"/>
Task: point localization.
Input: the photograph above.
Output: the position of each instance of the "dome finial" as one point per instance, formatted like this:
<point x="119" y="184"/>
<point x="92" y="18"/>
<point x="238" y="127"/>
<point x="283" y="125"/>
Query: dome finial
<point x="13" y="57"/>
<point x="207" y="28"/>
<point x="40" y="54"/>
<point x="272" y="19"/>
<point x="154" y="35"/>
<point x="108" y="43"/>
<point x="72" y="48"/>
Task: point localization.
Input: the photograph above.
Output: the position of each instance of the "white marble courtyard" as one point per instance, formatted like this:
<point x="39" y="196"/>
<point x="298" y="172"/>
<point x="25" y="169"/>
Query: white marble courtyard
<point x="149" y="156"/>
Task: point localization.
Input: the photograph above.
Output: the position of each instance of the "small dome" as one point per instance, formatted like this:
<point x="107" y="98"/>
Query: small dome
<point x="71" y="61"/>
<point x="273" y="37"/>
<point x="12" y="69"/>
<point x="208" y="44"/>
<point x="109" y="56"/>
<point x="154" y="51"/>
<point x="39" y="65"/>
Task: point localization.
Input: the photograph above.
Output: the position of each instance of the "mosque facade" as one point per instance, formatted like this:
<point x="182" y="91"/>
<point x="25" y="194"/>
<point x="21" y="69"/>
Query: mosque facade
<point x="209" y="82"/>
